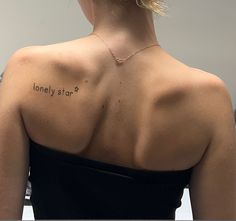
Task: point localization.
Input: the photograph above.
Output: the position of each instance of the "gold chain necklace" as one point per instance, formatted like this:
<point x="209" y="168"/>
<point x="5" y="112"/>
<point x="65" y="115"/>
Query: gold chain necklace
<point x="122" y="60"/>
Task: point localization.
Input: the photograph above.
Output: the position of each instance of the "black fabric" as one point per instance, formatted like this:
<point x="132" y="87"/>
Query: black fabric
<point x="66" y="186"/>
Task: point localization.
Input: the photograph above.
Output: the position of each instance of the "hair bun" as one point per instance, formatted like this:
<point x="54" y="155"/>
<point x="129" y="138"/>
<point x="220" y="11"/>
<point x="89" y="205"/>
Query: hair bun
<point x="156" y="6"/>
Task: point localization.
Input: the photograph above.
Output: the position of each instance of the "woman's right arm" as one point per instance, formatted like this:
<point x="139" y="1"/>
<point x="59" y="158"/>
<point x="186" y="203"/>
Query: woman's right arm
<point x="213" y="182"/>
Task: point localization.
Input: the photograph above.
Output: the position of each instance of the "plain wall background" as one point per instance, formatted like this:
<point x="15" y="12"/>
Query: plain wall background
<point x="200" y="33"/>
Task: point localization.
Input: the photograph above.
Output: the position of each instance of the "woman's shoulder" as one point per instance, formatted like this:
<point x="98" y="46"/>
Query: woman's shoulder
<point x="203" y="82"/>
<point x="48" y="54"/>
<point x="199" y="86"/>
<point x="48" y="60"/>
<point x="205" y="76"/>
<point x="204" y="88"/>
<point x="30" y="56"/>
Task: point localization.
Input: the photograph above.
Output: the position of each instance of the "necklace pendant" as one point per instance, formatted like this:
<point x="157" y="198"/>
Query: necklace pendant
<point x="119" y="61"/>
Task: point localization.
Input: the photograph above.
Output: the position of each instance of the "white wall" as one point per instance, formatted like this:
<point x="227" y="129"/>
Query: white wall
<point x="200" y="33"/>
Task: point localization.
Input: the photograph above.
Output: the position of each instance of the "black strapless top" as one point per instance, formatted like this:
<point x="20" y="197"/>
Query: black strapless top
<point x="66" y="186"/>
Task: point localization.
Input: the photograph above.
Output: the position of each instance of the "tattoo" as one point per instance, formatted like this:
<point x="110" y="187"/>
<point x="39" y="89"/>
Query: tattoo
<point x="53" y="92"/>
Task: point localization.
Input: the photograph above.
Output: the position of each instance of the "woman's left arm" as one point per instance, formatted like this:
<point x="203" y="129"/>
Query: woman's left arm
<point x="14" y="146"/>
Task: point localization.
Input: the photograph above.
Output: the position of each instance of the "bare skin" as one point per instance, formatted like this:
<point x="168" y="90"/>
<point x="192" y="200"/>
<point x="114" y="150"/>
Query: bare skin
<point x="126" y="115"/>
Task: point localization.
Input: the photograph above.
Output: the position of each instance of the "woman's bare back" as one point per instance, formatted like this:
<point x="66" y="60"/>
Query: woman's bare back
<point x="143" y="114"/>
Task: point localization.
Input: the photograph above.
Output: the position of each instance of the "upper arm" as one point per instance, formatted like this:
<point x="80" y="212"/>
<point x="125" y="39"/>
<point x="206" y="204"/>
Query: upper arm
<point x="213" y="182"/>
<point x="14" y="160"/>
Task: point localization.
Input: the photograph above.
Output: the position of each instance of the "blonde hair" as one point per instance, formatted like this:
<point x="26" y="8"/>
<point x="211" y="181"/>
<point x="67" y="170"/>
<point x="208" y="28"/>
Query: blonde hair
<point x="156" y="6"/>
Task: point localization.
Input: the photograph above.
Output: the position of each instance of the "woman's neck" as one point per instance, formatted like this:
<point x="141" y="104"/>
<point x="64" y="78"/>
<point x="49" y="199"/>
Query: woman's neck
<point x="124" y="23"/>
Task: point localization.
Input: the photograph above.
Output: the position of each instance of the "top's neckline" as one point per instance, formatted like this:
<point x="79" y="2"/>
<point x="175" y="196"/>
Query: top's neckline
<point x="61" y="155"/>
